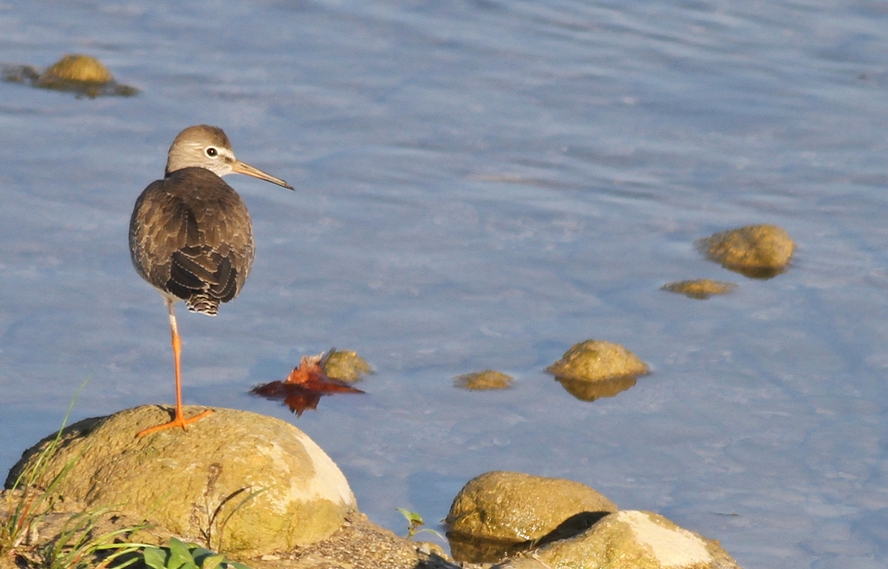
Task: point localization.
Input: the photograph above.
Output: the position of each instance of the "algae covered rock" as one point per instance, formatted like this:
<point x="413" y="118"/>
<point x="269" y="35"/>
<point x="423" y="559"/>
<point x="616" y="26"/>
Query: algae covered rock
<point x="595" y="360"/>
<point x="635" y="540"/>
<point x="700" y="288"/>
<point x="251" y="483"/>
<point x="346" y="365"/>
<point x="483" y="380"/>
<point x="518" y="507"/>
<point x="76" y="68"/>
<point x="75" y="73"/>
<point x="757" y="251"/>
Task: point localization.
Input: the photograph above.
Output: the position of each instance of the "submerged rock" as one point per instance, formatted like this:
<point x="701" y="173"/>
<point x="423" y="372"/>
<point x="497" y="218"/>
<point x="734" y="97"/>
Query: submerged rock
<point x="346" y="365"/>
<point x="632" y="539"/>
<point x="241" y="481"/>
<point x="75" y="73"/>
<point x="595" y="360"/>
<point x="756" y="251"/>
<point x="481" y="380"/>
<point x="498" y="510"/>
<point x="700" y="288"/>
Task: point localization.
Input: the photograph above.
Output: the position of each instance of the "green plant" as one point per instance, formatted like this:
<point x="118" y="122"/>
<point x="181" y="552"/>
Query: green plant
<point x="31" y="498"/>
<point x="181" y="555"/>
<point x="32" y="494"/>
<point x="77" y="546"/>
<point x="414" y="521"/>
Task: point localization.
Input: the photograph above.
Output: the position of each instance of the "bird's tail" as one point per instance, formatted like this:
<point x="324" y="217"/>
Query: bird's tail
<point x="202" y="303"/>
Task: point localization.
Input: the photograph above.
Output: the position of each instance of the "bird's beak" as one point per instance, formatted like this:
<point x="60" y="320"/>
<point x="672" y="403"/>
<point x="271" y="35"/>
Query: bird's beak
<point x="241" y="168"/>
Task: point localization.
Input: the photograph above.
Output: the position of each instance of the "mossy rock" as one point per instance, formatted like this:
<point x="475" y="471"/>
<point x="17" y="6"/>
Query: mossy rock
<point x="756" y="251"/>
<point x="254" y="483"/>
<point x="483" y="380"/>
<point x="595" y="360"/>
<point x="80" y="74"/>
<point x="346" y="365"/>
<point x="76" y="67"/>
<point x="700" y="289"/>
<point x="516" y="507"/>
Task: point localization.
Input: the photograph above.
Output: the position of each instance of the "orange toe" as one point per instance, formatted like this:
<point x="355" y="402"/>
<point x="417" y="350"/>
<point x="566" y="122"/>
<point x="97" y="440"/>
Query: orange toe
<point x="178" y="421"/>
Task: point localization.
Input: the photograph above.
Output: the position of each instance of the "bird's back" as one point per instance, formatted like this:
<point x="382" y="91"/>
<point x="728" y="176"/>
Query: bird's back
<point x="191" y="238"/>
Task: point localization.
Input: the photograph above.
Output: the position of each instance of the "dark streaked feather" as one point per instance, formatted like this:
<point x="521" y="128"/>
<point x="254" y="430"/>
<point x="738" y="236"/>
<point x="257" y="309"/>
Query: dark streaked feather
<point x="191" y="238"/>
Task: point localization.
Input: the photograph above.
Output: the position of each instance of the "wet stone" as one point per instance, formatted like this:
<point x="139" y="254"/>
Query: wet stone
<point x="700" y="289"/>
<point x="346" y="365"/>
<point x="483" y="380"/>
<point x="76" y="68"/>
<point x="755" y="251"/>
<point x="595" y="360"/>
<point x="498" y="510"/>
<point x="75" y="73"/>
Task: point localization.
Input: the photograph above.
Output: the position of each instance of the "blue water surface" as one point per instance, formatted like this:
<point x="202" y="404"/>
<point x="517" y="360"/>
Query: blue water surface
<point x="482" y="184"/>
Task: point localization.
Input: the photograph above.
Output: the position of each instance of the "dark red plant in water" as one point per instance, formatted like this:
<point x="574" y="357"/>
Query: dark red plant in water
<point x="305" y="386"/>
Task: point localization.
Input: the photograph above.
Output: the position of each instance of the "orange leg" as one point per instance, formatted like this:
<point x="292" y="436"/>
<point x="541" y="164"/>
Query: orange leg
<point x="179" y="420"/>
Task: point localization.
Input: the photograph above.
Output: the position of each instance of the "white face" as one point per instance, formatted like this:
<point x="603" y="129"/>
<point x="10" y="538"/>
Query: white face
<point x="207" y="147"/>
<point x="195" y="153"/>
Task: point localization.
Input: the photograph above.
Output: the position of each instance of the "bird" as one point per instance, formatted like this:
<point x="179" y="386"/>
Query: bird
<point x="191" y="237"/>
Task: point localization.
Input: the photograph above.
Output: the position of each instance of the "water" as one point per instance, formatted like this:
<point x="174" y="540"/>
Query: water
<point x="481" y="185"/>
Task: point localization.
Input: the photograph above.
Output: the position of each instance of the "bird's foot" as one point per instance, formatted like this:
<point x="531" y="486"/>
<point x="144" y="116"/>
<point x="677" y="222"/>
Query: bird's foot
<point x="178" y="421"/>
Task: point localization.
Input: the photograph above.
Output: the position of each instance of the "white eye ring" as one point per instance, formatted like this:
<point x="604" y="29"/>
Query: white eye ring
<point x="211" y="152"/>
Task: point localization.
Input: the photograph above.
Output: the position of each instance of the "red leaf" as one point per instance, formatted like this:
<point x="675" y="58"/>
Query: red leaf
<point x="305" y="386"/>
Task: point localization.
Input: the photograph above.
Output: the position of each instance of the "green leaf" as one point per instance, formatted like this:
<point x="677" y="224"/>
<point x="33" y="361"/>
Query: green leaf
<point x="180" y="556"/>
<point x="155" y="557"/>
<point x="201" y="553"/>
<point x="236" y="565"/>
<point x="212" y="561"/>
<point x="412" y="517"/>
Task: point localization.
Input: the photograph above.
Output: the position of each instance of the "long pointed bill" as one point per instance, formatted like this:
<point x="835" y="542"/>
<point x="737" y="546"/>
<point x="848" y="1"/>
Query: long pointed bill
<point x="241" y="168"/>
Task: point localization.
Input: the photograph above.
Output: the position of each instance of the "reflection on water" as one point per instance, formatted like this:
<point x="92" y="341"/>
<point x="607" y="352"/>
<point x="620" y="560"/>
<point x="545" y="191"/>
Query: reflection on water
<point x="592" y="390"/>
<point x="308" y="382"/>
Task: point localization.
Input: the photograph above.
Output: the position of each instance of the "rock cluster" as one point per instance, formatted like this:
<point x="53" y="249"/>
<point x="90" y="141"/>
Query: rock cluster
<point x="260" y="490"/>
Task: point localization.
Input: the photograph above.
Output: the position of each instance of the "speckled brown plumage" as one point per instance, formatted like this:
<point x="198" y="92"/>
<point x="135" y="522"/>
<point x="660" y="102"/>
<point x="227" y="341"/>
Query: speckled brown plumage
<point x="191" y="238"/>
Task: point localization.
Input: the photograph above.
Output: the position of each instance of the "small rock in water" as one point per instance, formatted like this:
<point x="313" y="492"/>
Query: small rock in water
<point x="79" y="74"/>
<point x="76" y="68"/>
<point x="595" y="360"/>
<point x="480" y="380"/>
<point x="346" y="365"/>
<point x="700" y="288"/>
<point x="755" y="251"/>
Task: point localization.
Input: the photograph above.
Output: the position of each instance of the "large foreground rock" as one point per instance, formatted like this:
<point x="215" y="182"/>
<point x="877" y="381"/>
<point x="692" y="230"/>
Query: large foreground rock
<point x="241" y="481"/>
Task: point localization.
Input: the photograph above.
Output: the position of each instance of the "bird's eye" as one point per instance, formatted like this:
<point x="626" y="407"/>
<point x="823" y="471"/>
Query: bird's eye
<point x="211" y="152"/>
